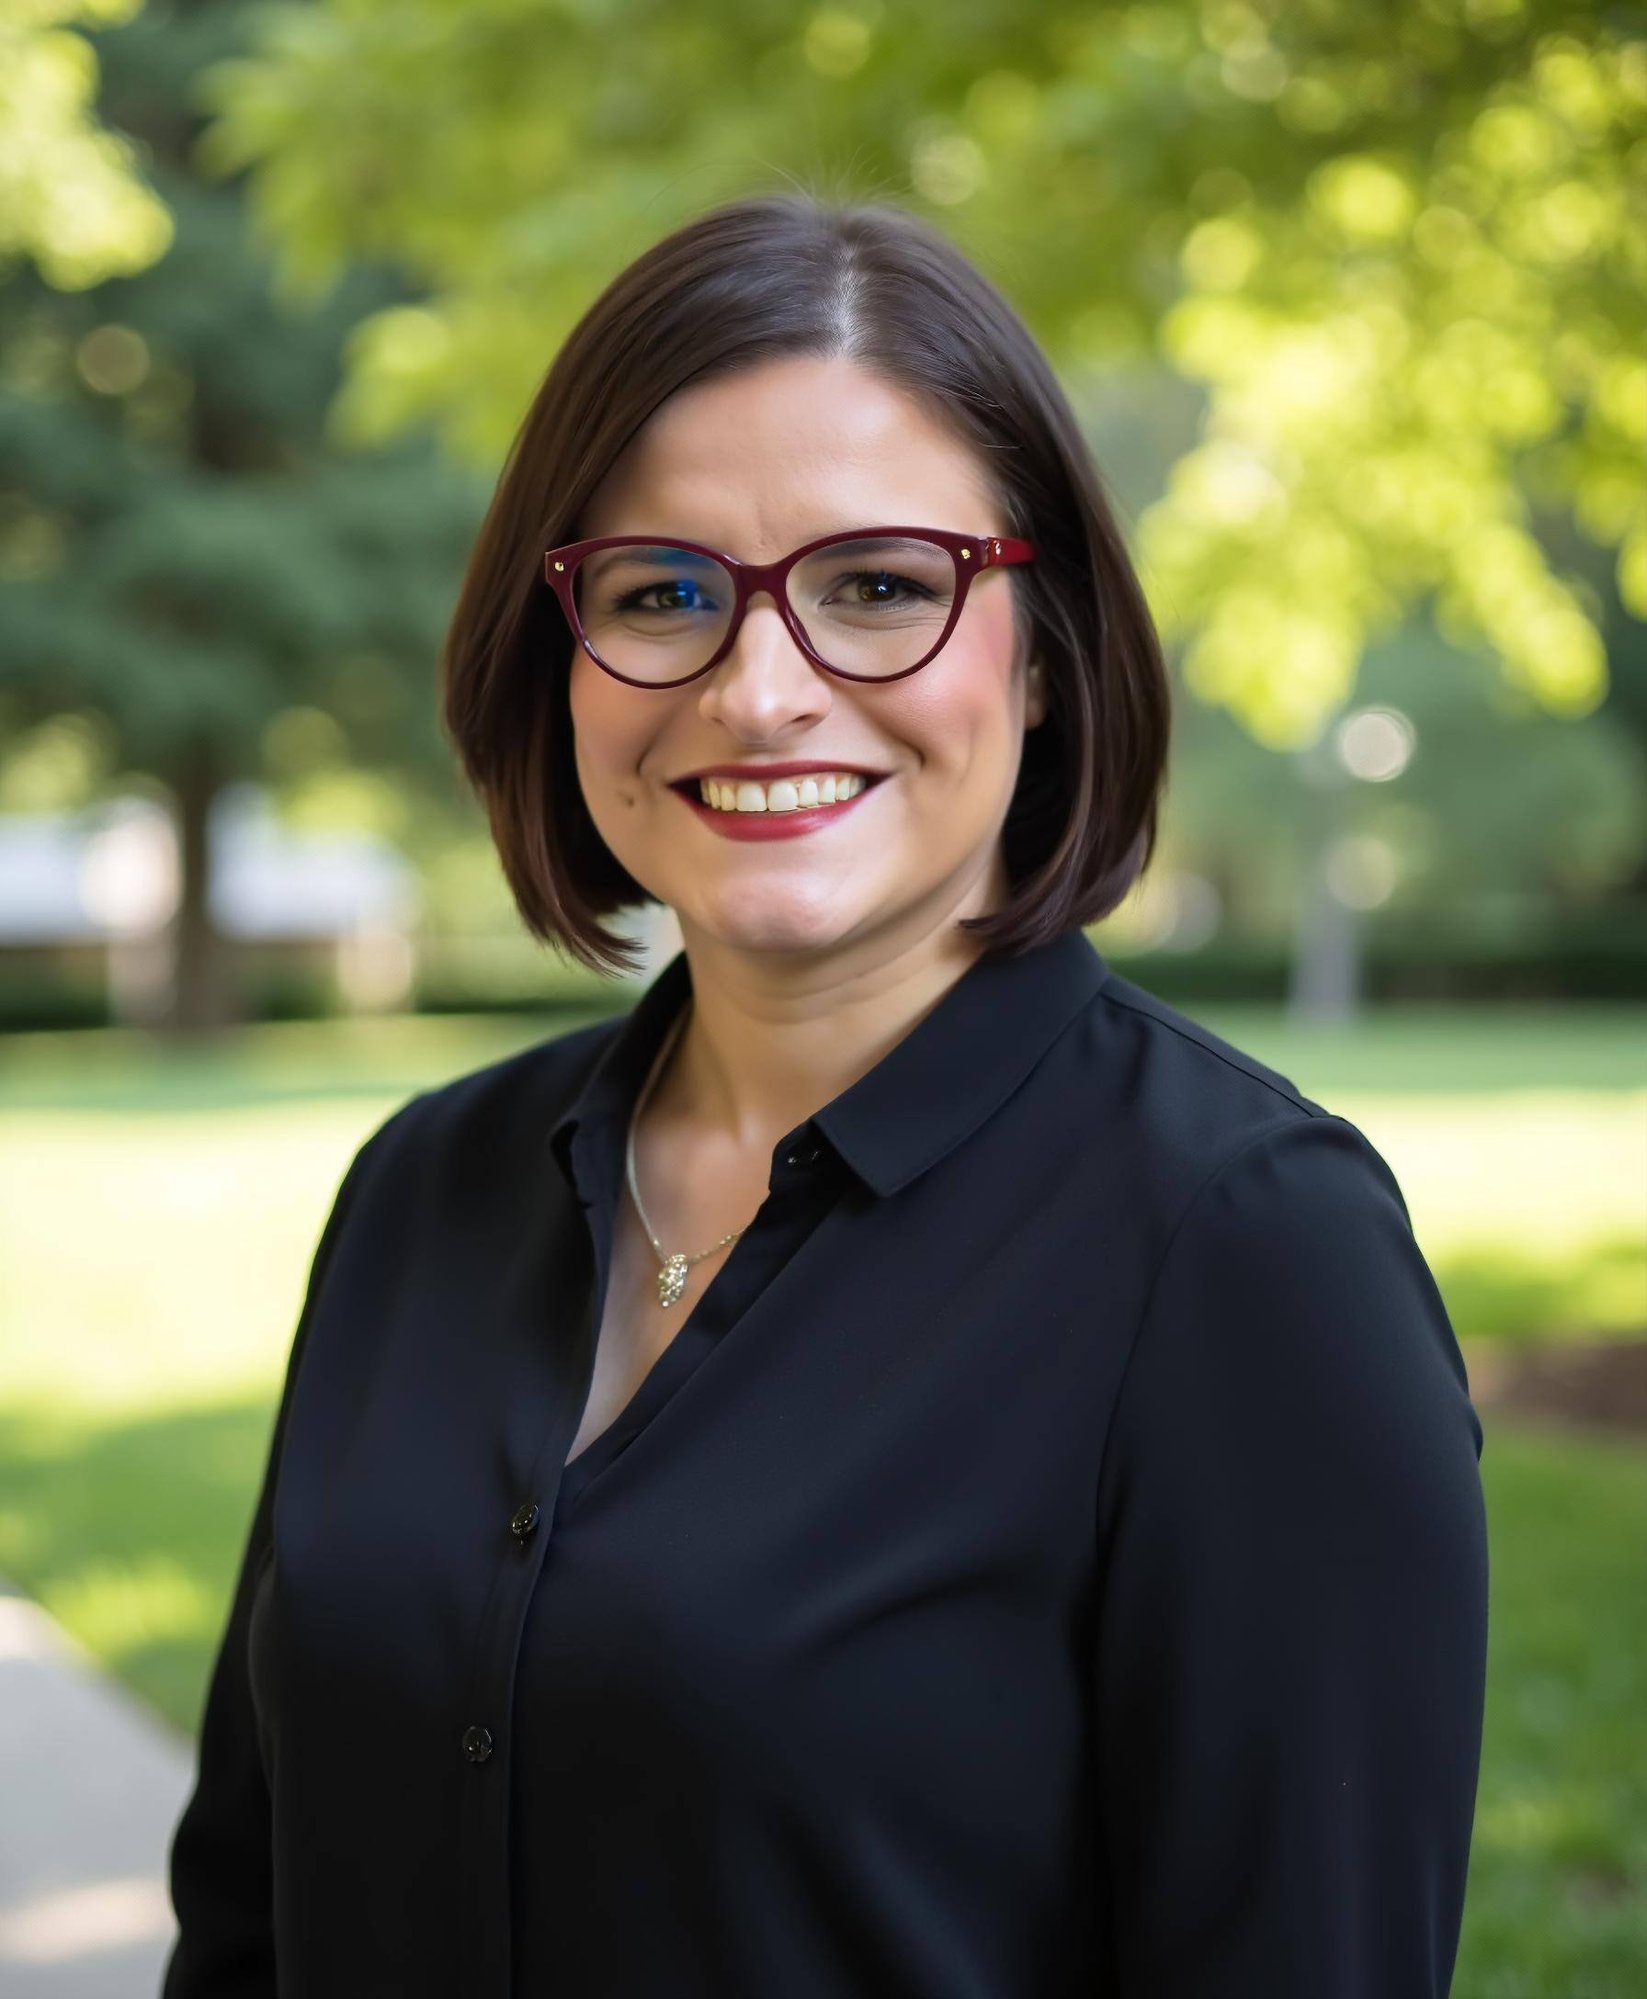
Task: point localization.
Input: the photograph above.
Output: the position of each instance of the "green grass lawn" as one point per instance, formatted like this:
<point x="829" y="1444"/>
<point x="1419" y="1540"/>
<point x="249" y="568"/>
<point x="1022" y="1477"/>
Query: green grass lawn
<point x="1557" y="1905"/>
<point x="157" y="1207"/>
<point x="158" y="1211"/>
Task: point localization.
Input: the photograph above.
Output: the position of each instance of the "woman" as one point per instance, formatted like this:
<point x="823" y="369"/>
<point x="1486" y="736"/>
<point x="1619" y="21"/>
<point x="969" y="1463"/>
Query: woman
<point x="901" y="1465"/>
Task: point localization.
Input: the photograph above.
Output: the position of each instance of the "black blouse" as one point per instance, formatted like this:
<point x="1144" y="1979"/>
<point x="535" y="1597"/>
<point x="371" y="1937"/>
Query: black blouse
<point x="1050" y="1557"/>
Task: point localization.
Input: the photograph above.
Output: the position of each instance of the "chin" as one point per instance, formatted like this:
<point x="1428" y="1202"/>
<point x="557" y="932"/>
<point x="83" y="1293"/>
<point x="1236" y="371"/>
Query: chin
<point x="770" y="923"/>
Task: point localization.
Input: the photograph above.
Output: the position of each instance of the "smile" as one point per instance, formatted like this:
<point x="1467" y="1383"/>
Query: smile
<point x="783" y="794"/>
<point x="744" y="810"/>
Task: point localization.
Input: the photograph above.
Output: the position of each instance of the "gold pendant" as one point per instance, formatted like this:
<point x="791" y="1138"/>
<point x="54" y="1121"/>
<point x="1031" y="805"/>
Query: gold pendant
<point x="672" y="1279"/>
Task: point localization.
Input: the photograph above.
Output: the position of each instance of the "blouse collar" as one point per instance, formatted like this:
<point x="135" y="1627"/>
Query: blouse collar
<point x="926" y="1095"/>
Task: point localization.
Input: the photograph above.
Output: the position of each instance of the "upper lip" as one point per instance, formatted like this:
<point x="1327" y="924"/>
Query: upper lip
<point x="762" y="773"/>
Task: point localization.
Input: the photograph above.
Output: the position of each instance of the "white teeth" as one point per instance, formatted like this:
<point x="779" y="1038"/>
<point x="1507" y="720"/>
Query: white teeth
<point x="783" y="794"/>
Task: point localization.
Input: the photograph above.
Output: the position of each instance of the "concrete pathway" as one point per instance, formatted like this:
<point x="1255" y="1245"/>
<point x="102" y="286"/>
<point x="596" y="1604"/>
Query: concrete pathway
<point x="91" y="1786"/>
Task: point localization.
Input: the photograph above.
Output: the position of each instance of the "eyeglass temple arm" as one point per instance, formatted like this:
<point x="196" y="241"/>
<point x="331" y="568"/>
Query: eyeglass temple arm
<point x="999" y="550"/>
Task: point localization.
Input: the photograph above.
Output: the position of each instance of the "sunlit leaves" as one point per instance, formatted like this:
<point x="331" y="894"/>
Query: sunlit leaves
<point x="1363" y="200"/>
<point x="1402" y="248"/>
<point x="1406" y="356"/>
<point x="837" y="41"/>
<point x="71" y="195"/>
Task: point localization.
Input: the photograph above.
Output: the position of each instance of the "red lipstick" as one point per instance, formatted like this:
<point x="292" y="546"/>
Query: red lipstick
<point x="773" y="825"/>
<point x="763" y="773"/>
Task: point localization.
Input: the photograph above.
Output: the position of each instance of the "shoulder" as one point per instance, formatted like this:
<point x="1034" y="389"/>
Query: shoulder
<point x="489" y="1116"/>
<point x="1228" y="1164"/>
<point x="1286" y="1305"/>
<point x="1183" y="1103"/>
<point x="1284" y="1284"/>
<point x="1185" y="1063"/>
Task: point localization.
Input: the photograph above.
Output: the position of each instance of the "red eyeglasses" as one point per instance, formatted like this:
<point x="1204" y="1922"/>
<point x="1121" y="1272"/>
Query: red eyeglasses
<point x="658" y="613"/>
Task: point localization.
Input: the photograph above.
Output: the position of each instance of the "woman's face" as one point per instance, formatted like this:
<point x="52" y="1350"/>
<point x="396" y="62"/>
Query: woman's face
<point x="755" y="464"/>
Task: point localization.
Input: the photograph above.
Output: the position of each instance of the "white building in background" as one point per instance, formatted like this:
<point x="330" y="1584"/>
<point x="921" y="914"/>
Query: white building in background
<point x="103" y="884"/>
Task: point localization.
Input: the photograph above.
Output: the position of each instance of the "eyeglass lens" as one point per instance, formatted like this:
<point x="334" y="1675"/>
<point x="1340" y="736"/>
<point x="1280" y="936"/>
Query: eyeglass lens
<point x="870" y="607"/>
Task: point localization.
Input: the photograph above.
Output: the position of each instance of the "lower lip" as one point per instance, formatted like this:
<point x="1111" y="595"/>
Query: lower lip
<point x="775" y="825"/>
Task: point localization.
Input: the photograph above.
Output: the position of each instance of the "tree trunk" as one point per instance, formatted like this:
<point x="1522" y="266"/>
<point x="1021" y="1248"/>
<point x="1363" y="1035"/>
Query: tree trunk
<point x="203" y="997"/>
<point x="1325" y="983"/>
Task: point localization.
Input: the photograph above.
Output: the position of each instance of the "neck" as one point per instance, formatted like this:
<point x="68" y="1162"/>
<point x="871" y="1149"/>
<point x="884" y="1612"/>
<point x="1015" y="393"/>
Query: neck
<point x="770" y="1038"/>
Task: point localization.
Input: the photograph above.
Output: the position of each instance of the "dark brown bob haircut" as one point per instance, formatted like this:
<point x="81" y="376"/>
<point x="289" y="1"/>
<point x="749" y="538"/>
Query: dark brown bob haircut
<point x="794" y="274"/>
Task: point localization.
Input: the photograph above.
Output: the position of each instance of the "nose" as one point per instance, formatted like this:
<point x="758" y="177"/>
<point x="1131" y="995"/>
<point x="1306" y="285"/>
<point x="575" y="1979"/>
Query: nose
<point x="765" y="682"/>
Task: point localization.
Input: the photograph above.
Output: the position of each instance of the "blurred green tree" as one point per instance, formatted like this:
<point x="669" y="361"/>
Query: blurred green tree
<point x="1395" y="244"/>
<point x="71" y="193"/>
<point x="1442" y="803"/>
<point x="194" y="567"/>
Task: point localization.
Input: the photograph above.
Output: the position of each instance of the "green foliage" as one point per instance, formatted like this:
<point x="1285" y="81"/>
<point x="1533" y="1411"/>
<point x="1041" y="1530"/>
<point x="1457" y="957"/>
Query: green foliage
<point x="1393" y="243"/>
<point x="190" y="555"/>
<point x="71" y="197"/>
<point x="1436" y="327"/>
<point x="1501" y="805"/>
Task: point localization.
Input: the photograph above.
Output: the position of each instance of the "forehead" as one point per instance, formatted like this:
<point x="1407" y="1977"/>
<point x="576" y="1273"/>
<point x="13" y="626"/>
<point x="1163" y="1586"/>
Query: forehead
<point x="761" y="460"/>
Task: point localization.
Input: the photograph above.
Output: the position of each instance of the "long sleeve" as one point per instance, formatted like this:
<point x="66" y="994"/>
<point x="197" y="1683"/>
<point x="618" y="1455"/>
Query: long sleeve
<point x="1292" y="1596"/>
<point x="220" y="1858"/>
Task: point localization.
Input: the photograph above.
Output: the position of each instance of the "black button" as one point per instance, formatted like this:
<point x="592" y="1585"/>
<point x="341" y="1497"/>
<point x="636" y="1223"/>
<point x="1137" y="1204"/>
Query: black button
<point x="806" y="1155"/>
<point x="524" y="1522"/>
<point x="477" y="1744"/>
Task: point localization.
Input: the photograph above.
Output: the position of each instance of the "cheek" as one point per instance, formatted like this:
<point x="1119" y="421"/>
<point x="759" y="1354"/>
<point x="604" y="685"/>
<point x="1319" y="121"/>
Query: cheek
<point x="960" y="709"/>
<point x="609" y="733"/>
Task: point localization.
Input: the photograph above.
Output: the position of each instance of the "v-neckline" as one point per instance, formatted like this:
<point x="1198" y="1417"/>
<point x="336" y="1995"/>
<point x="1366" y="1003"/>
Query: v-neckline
<point x="667" y="1371"/>
<point x="674" y="1363"/>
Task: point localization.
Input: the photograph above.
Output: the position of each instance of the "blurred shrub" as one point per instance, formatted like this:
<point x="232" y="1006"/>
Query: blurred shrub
<point x="1581" y="954"/>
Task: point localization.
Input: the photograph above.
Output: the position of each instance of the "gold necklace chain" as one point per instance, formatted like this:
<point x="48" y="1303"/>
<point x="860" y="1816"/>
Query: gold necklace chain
<point x="672" y="1268"/>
